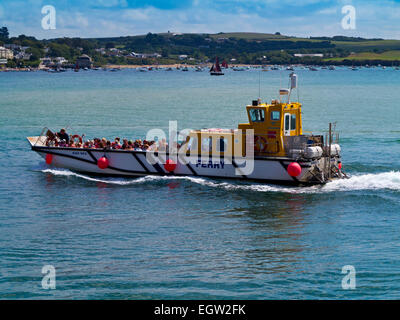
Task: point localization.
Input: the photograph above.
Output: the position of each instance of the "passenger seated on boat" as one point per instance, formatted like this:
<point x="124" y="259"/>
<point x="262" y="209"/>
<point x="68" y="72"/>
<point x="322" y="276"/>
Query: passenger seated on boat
<point x="91" y="144"/>
<point x="50" y="139"/>
<point x="152" y="146"/>
<point x="72" y="144"/>
<point x="108" y="145"/>
<point x="96" y="142"/>
<point x="130" y="145"/>
<point x="116" y="144"/>
<point x="136" y="146"/>
<point x="162" y="145"/>
<point x="62" y="135"/>
<point x="62" y="143"/>
<point x="124" y="144"/>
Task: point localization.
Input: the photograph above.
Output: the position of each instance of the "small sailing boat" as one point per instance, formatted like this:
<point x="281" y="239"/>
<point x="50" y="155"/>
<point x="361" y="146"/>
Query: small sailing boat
<point x="216" y="69"/>
<point x="224" y="64"/>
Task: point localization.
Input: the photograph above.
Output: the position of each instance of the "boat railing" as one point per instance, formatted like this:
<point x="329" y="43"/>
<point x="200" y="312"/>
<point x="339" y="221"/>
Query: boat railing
<point x="41" y="140"/>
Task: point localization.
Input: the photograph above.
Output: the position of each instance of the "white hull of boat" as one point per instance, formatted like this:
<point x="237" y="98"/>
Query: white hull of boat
<point x="135" y="163"/>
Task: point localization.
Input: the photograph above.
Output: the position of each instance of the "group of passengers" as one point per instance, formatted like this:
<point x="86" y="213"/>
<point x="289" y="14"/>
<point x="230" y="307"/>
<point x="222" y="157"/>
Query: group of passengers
<point x="62" y="139"/>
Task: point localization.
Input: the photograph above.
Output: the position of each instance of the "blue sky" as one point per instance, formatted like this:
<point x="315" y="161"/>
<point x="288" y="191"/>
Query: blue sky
<point x="106" y="18"/>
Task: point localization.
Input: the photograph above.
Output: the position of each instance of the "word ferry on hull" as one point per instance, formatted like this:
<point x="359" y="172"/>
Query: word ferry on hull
<point x="271" y="148"/>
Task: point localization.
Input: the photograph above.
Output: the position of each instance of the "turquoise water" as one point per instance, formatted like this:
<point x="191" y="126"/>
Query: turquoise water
<point x="195" y="238"/>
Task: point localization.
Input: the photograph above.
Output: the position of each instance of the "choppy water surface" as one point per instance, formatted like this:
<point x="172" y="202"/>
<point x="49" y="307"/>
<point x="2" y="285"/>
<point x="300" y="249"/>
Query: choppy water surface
<point x="180" y="238"/>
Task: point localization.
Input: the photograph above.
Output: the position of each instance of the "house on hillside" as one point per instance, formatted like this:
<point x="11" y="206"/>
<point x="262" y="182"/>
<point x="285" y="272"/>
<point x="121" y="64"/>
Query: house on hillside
<point x="23" y="55"/>
<point x="145" y="55"/>
<point x="302" y="55"/>
<point x="46" y="61"/>
<point x="84" y="61"/>
<point x="6" y="53"/>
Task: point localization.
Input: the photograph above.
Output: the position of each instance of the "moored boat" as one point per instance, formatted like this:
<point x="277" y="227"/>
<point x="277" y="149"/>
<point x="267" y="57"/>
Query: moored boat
<point x="271" y="147"/>
<point x="216" y="69"/>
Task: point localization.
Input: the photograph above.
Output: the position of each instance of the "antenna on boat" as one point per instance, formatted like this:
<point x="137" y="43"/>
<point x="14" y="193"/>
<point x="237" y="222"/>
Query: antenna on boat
<point x="292" y="83"/>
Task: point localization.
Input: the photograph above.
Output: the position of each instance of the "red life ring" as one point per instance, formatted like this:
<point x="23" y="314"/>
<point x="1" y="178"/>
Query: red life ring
<point x="76" y="136"/>
<point x="260" y="144"/>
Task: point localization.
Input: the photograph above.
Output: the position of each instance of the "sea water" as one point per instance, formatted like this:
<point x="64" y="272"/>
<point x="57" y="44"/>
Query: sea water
<point x="192" y="237"/>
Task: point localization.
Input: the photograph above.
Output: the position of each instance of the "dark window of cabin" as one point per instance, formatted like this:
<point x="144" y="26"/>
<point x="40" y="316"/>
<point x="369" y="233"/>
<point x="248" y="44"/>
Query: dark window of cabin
<point x="293" y="122"/>
<point x="257" y="115"/>
<point x="275" y="115"/>
<point x="287" y="122"/>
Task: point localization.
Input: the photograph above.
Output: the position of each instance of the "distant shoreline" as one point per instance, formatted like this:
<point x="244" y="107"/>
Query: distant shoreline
<point x="176" y="65"/>
<point x="203" y="65"/>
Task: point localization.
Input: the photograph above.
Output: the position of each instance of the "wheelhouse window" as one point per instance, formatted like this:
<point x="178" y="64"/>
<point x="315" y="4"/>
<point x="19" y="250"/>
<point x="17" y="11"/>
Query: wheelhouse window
<point x="257" y="115"/>
<point x="293" y="122"/>
<point x="275" y="115"/>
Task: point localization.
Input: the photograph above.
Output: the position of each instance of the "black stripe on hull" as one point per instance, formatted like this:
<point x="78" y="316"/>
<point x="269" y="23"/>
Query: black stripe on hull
<point x="191" y="169"/>
<point x="92" y="156"/>
<point x="158" y="168"/>
<point x="237" y="167"/>
<point x="140" y="162"/>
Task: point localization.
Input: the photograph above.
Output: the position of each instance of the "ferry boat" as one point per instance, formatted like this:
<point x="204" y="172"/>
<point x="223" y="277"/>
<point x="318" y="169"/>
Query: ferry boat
<point x="271" y="147"/>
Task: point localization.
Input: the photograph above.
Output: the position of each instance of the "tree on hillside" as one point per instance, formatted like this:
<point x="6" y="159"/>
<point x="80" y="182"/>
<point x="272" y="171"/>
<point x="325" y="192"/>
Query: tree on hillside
<point x="4" y="35"/>
<point x="110" y="45"/>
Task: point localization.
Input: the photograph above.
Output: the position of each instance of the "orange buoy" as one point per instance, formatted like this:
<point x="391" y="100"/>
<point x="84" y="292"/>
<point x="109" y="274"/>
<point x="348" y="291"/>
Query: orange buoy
<point x="170" y="165"/>
<point x="49" y="158"/>
<point x="294" y="169"/>
<point x="103" y="163"/>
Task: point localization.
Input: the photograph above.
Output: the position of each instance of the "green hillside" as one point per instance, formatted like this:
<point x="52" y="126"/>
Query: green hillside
<point x="236" y="47"/>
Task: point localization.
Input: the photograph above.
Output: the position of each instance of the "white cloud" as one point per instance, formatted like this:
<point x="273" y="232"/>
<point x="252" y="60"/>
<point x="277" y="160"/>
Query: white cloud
<point x="68" y="20"/>
<point x="137" y="14"/>
<point x="329" y="11"/>
<point x="107" y="3"/>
